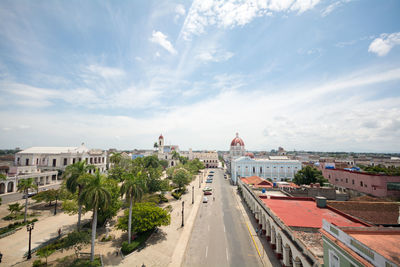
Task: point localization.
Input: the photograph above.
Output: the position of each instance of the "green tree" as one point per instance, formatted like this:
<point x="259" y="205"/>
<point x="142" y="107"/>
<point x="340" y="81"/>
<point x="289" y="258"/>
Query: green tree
<point x="14" y="209"/>
<point x="309" y="175"/>
<point x="181" y="177"/>
<point x="23" y="187"/>
<point x="133" y="188"/>
<point x="145" y="216"/>
<point x="45" y="253"/>
<point x="115" y="205"/>
<point x="175" y="155"/>
<point x="95" y="196"/>
<point x="75" y="182"/>
<point x="155" y="145"/>
<point x="48" y="196"/>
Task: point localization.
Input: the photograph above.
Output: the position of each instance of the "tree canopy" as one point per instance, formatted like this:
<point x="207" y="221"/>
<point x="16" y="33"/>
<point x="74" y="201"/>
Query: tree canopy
<point x="145" y="216"/>
<point x="309" y="175"/>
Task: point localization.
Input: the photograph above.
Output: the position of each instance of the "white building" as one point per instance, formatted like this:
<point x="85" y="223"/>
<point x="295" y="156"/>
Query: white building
<point x="58" y="158"/>
<point x="209" y="158"/>
<point x="276" y="168"/>
<point x="237" y="148"/>
<point x="165" y="152"/>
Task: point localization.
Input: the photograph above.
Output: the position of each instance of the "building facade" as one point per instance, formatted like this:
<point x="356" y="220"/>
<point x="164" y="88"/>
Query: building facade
<point x="165" y="152"/>
<point x="58" y="158"/>
<point x="274" y="168"/>
<point x="372" y="184"/>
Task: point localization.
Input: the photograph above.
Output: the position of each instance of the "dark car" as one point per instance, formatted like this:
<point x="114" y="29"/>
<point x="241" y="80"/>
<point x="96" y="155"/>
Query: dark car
<point x="207" y="193"/>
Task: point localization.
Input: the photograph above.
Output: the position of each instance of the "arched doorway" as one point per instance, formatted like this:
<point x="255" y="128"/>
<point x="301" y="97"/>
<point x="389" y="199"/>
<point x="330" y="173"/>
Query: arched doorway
<point x="10" y="187"/>
<point x="2" y="188"/>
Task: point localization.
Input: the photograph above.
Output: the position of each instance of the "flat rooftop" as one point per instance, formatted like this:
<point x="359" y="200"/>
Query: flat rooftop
<point x="302" y="212"/>
<point x="384" y="242"/>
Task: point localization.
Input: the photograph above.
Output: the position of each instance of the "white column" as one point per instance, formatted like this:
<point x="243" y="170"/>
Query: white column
<point x="286" y="258"/>
<point x="279" y="244"/>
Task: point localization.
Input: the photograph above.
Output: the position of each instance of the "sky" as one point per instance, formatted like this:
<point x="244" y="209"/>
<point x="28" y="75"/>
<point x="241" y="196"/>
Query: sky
<point x="302" y="74"/>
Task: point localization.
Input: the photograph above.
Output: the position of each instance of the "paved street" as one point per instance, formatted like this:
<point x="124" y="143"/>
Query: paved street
<point x="220" y="236"/>
<point x="12" y="197"/>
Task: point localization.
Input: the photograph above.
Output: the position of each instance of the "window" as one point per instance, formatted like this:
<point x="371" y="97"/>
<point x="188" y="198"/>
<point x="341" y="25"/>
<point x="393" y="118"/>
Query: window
<point x="352" y="181"/>
<point x="254" y="169"/>
<point x="347" y="180"/>
<point x="329" y="176"/>
<point x="65" y="161"/>
<point x="73" y="160"/>
<point x="54" y="162"/>
<point x="361" y="183"/>
<point x="26" y="162"/>
<point x="334" y="260"/>
<point x="260" y="169"/>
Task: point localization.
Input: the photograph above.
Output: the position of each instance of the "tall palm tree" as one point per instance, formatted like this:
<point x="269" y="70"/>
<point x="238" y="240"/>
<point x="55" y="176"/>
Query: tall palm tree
<point x="23" y="187"/>
<point x="73" y="175"/>
<point x="95" y="196"/>
<point x="133" y="187"/>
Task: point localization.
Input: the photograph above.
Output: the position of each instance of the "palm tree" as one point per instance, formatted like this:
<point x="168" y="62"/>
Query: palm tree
<point x="95" y="196"/>
<point x="23" y="187"/>
<point x="133" y="187"/>
<point x="73" y="174"/>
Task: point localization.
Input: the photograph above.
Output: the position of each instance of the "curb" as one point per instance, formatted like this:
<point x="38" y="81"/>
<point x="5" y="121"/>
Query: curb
<point x="180" y="249"/>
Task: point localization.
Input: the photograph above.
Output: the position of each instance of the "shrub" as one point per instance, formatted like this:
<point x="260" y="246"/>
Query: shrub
<point x="163" y="198"/>
<point x="176" y="195"/>
<point x="86" y="263"/>
<point x="139" y="240"/>
<point x="38" y="263"/>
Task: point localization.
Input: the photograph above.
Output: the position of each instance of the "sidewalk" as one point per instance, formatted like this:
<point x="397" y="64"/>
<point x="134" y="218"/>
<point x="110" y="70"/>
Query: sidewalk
<point x="264" y="251"/>
<point x="167" y="247"/>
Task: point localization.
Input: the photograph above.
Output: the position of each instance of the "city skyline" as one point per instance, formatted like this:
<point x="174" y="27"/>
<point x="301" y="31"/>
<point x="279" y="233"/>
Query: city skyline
<point x="304" y="75"/>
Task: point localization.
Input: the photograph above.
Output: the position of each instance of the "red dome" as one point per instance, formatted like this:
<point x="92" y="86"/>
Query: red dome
<point x="161" y="137"/>
<point x="237" y="140"/>
<point x="249" y="154"/>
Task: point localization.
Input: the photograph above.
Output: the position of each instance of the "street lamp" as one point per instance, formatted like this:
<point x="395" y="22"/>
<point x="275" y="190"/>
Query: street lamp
<point x="183" y="207"/>
<point x="192" y="194"/>
<point x="29" y="228"/>
<point x="55" y="207"/>
<point x="199" y="183"/>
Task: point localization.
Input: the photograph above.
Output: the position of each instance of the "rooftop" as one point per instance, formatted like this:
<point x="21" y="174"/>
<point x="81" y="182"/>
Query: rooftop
<point x="55" y="150"/>
<point x="384" y="241"/>
<point x="257" y="182"/>
<point x="303" y="212"/>
<point x="372" y="212"/>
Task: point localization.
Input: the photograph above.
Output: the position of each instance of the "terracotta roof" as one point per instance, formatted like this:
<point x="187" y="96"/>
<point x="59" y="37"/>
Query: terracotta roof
<point x="382" y="240"/>
<point x="372" y="212"/>
<point x="257" y="181"/>
<point x="303" y="212"/>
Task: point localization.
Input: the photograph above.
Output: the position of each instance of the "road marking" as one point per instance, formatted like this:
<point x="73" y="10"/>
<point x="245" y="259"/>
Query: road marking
<point x="206" y="251"/>
<point x="227" y="257"/>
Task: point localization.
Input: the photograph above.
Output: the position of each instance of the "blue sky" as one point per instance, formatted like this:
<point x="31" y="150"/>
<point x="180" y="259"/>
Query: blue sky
<point x="301" y="74"/>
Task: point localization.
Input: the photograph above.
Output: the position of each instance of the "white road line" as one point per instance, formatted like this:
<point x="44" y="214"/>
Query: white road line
<point x="206" y="251"/>
<point x="227" y="257"/>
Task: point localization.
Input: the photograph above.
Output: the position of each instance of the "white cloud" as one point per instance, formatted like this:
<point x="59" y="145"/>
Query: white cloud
<point x="326" y="11"/>
<point x="161" y="39"/>
<point x="180" y="10"/>
<point x="105" y="72"/>
<point x="214" y="55"/>
<point x="231" y="13"/>
<point x="383" y="44"/>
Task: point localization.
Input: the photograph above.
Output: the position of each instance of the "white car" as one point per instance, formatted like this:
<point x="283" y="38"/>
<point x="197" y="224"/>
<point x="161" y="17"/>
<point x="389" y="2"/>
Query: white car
<point x="205" y="199"/>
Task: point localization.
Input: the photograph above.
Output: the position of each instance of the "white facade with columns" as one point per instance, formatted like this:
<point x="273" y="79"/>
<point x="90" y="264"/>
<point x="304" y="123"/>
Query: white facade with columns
<point x="274" y="168"/>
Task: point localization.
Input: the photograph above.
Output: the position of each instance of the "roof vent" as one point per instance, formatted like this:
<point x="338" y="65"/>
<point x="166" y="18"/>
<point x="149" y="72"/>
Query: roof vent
<point x="321" y="202"/>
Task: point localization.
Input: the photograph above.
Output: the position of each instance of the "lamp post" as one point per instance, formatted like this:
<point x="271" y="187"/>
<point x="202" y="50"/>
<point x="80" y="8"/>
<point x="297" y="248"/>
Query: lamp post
<point x="192" y="194"/>
<point x="29" y="228"/>
<point x="199" y="182"/>
<point x="183" y="207"/>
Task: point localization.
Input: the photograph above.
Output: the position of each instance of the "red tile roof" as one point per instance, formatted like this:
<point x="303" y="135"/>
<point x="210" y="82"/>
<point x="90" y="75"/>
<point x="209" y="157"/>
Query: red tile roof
<point x="257" y="182"/>
<point x="303" y="212"/>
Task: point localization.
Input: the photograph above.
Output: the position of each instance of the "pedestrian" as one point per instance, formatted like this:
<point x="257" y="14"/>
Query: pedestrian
<point x="1" y="256"/>
<point x="213" y="198"/>
<point x="59" y="232"/>
<point x="257" y="230"/>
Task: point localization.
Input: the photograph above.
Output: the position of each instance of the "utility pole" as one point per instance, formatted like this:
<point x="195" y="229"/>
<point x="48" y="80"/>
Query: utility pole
<point x="55" y="207"/>
<point x="192" y="194"/>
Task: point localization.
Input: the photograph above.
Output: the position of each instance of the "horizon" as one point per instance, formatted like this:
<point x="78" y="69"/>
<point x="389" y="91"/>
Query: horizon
<point x="304" y="75"/>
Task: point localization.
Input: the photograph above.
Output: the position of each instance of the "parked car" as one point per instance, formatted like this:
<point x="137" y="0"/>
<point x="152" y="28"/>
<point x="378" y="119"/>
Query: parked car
<point x="207" y="193"/>
<point x="207" y="189"/>
<point x="205" y="199"/>
<point x="209" y="181"/>
<point x="30" y="194"/>
<point x="211" y="171"/>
